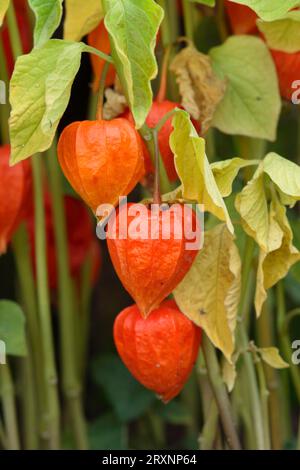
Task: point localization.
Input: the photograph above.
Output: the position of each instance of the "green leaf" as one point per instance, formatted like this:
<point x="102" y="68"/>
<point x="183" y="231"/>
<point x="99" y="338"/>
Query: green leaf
<point x="81" y="18"/>
<point x="128" y="398"/>
<point x="269" y="10"/>
<point x="4" y="4"/>
<point x="272" y="357"/>
<point x="226" y="171"/>
<point x="198" y="183"/>
<point x="133" y="27"/>
<point x="284" y="173"/>
<point x="251" y="105"/>
<point x="48" y="14"/>
<point x="107" y="433"/>
<point x="12" y="328"/>
<point x="40" y="90"/>
<point x="210" y="3"/>
<point x="284" y="34"/>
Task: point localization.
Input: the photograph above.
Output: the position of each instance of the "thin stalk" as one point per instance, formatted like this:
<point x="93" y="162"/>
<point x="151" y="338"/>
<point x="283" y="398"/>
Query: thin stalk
<point x="156" y="191"/>
<point x="253" y="390"/>
<point x="188" y="16"/>
<point x="264" y="397"/>
<point x="50" y="375"/>
<point x="161" y="95"/>
<point x="148" y="135"/>
<point x="220" y="394"/>
<point x="169" y="33"/>
<point x="266" y="338"/>
<point x="243" y="342"/>
<point x="28" y="295"/>
<point x="100" y="54"/>
<point x="71" y="386"/>
<point x="9" y="408"/>
<point x="99" y="114"/>
<point x="165" y="27"/>
<point x="84" y="313"/>
<point x="14" y="31"/>
<point x="28" y="401"/>
<point x="221" y="20"/>
<point x="285" y="345"/>
<point x="210" y="428"/>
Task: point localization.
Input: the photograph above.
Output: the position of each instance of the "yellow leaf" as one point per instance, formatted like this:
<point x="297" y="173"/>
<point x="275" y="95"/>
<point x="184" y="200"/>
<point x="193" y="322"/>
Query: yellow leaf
<point x="272" y="357"/>
<point x="285" y="174"/>
<point x="283" y="34"/>
<point x="275" y="264"/>
<point x="209" y="294"/>
<point x="226" y="171"/>
<point x="201" y="90"/>
<point x="198" y="183"/>
<point x="251" y="203"/>
<point x="81" y="18"/>
<point x="4" y="4"/>
<point x="229" y="374"/>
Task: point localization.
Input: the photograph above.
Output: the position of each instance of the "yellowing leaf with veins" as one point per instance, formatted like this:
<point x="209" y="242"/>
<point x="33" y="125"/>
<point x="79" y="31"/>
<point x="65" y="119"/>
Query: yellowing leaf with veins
<point x="275" y="265"/>
<point x="81" y="18"/>
<point x="4" y="4"/>
<point x="226" y="171"/>
<point x="251" y="203"/>
<point x="210" y="292"/>
<point x="272" y="357"/>
<point x="200" y="89"/>
<point x="285" y="174"/>
<point x="282" y="34"/>
<point x="198" y="183"/>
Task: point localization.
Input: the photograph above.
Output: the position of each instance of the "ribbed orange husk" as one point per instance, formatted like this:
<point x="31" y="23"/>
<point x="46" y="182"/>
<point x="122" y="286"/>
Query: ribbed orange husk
<point x="241" y="18"/>
<point x="159" y="351"/>
<point x="101" y="159"/>
<point x="288" y="71"/>
<point x="99" y="39"/>
<point x="151" y="266"/>
<point x="15" y="192"/>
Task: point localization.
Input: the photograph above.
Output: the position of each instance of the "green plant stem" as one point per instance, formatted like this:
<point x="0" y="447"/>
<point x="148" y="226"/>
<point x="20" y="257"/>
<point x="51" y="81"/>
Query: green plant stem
<point x="100" y="54"/>
<point x="99" y="114"/>
<point x="208" y="434"/>
<point x="84" y="313"/>
<point x="9" y="408"/>
<point x="285" y="343"/>
<point x="14" y="31"/>
<point x="220" y="394"/>
<point x="50" y="375"/>
<point x="28" y="402"/>
<point x="243" y="342"/>
<point x="21" y="249"/>
<point x="221" y="20"/>
<point x="264" y="397"/>
<point x="71" y="386"/>
<point x="148" y="136"/>
<point x="169" y="33"/>
<point x="265" y="339"/>
<point x="188" y="16"/>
